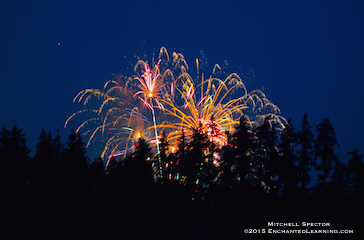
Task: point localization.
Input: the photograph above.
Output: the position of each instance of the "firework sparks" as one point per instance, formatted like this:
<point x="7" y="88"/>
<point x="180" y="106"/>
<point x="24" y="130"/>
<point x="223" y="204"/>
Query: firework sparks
<point x="184" y="104"/>
<point x="213" y="113"/>
<point x="149" y="85"/>
<point x="150" y="89"/>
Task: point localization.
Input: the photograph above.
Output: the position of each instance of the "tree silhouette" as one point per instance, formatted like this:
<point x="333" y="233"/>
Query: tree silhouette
<point x="97" y="172"/>
<point x="338" y="182"/>
<point x="14" y="180"/>
<point x="74" y="160"/>
<point x="242" y="149"/>
<point x="193" y="166"/>
<point x="14" y="158"/>
<point x="163" y="147"/>
<point x="179" y="158"/>
<point x="265" y="160"/>
<point x="167" y="165"/>
<point x="138" y="165"/>
<point x="182" y="145"/>
<point x="288" y="172"/>
<point x="57" y="146"/>
<point x="305" y="154"/>
<point x="228" y="175"/>
<point x="45" y="162"/>
<point x="211" y="164"/>
<point x="128" y="190"/>
<point x="355" y="173"/>
<point x="324" y="149"/>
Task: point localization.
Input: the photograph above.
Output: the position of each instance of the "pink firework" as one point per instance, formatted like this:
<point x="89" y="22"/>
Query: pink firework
<point x="149" y="85"/>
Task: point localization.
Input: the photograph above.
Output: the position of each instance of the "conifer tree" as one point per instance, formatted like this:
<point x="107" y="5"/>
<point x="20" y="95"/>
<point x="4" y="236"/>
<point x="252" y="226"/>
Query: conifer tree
<point x="265" y="161"/>
<point x="138" y="165"/>
<point x="15" y="172"/>
<point x="163" y="146"/>
<point x="180" y="156"/>
<point x="338" y="182"/>
<point x="288" y="172"/>
<point x="45" y="164"/>
<point x="228" y="176"/>
<point x="14" y="158"/>
<point x="324" y="149"/>
<point x="193" y="166"/>
<point x="211" y="164"/>
<point x="57" y="146"/>
<point x="242" y="149"/>
<point x="167" y="167"/>
<point x="97" y="169"/>
<point x="182" y="145"/>
<point x="355" y="173"/>
<point x="305" y="154"/>
<point x="74" y="160"/>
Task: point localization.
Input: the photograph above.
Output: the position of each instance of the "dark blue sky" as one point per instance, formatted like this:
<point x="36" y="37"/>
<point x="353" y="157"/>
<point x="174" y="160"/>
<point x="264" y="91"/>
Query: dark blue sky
<point x="308" y="56"/>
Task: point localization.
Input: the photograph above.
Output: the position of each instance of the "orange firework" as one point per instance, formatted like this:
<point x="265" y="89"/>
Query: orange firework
<point x="213" y="113"/>
<point x="186" y="103"/>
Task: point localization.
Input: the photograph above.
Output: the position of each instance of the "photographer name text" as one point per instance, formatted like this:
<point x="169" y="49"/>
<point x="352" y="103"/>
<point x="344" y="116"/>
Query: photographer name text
<point x="302" y="224"/>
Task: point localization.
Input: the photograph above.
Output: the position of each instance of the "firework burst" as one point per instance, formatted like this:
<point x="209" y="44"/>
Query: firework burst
<point x="183" y="104"/>
<point x="212" y="108"/>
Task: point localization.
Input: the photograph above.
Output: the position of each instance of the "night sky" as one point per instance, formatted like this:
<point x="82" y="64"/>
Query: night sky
<point x="307" y="56"/>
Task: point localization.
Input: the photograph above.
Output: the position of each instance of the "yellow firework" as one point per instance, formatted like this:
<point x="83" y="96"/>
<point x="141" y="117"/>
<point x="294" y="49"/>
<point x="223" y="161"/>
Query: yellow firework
<point x="183" y="104"/>
<point x="211" y="108"/>
<point x="213" y="113"/>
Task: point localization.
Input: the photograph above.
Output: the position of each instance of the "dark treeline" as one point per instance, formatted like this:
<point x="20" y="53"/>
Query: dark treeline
<point x="205" y="192"/>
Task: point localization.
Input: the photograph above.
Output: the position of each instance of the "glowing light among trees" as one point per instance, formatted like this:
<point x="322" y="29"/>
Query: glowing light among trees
<point x="212" y="106"/>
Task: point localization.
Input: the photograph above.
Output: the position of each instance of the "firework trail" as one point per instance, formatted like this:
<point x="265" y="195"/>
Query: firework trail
<point x="150" y="88"/>
<point x="183" y="104"/>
